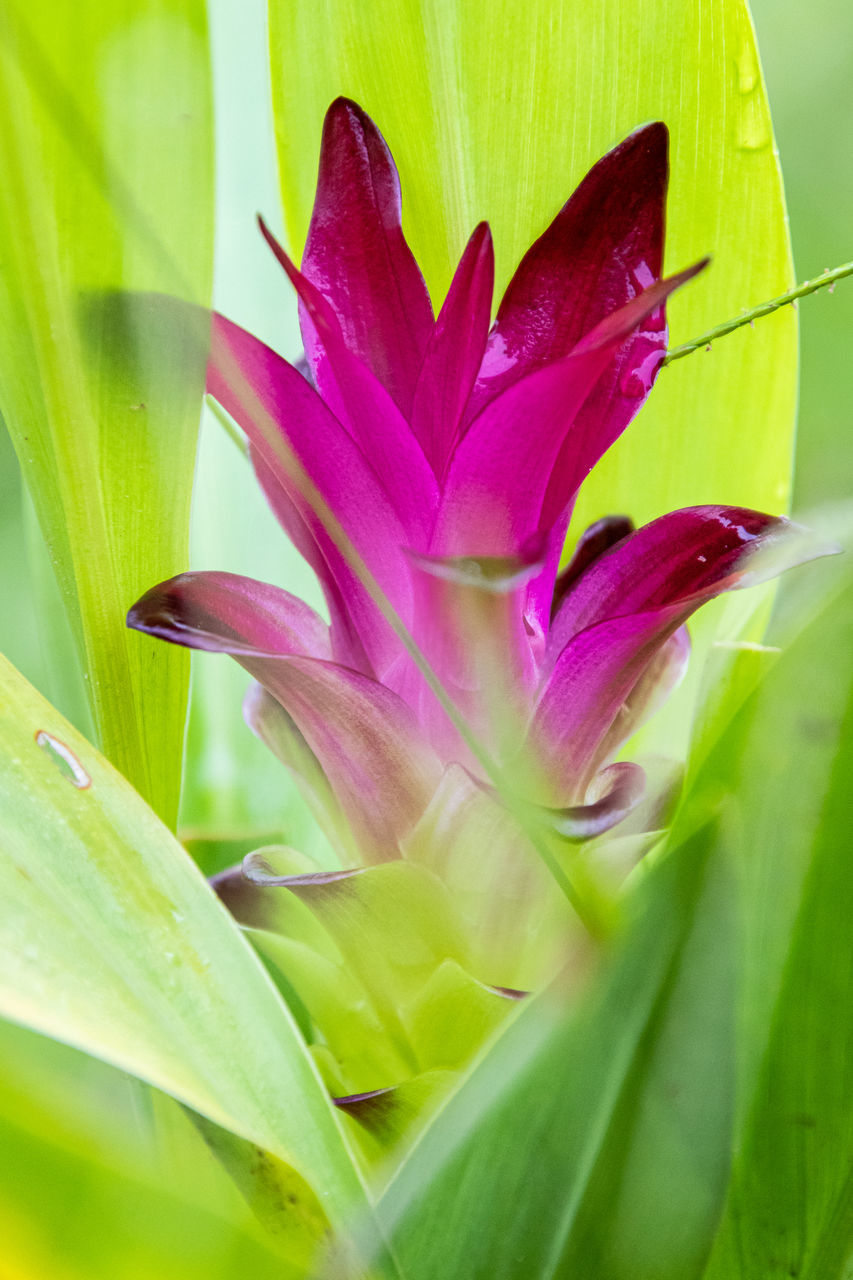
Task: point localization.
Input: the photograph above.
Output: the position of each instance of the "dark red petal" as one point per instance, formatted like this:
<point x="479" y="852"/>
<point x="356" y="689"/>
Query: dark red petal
<point x="593" y="542"/>
<point x="358" y="258"/>
<point x="604" y="247"/>
<point x="601" y="420"/>
<point x="455" y="350"/>
<point x="686" y="556"/>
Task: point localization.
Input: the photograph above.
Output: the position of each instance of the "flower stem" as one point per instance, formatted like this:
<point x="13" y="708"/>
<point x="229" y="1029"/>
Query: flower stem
<point x="828" y="279"/>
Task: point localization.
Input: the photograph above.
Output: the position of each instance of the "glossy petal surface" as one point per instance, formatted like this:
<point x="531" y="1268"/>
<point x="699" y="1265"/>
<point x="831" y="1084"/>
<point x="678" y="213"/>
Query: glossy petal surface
<point x="357" y="256"/>
<point x="603" y="248"/>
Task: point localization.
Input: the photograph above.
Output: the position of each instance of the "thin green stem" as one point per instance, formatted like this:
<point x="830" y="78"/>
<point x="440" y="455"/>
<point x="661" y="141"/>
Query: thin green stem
<point x="227" y="424"/>
<point x="827" y="280"/>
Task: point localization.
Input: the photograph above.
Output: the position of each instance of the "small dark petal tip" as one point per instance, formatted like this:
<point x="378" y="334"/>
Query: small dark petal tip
<point x="346" y="111"/>
<point x="651" y="140"/>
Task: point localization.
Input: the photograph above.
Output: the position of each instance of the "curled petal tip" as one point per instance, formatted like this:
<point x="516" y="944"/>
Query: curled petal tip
<point x="785" y="544"/>
<point x="258" y="871"/>
<point x="621" y="788"/>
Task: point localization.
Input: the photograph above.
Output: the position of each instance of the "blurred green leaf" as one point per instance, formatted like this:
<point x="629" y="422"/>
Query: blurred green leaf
<point x="789" y="759"/>
<point x="111" y="941"/>
<point x="86" y="1193"/>
<point x="106" y="160"/>
<point x="599" y="1140"/>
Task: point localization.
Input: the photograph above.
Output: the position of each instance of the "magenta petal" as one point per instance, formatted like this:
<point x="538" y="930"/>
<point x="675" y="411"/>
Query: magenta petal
<point x="603" y="419"/>
<point x="662" y="674"/>
<point x="612" y="624"/>
<point x="364" y="738"/>
<point x="522" y="460"/>
<point x="455" y="350"/>
<point x="592" y="679"/>
<point x="684" y="557"/>
<point x="269" y="721"/>
<point x="285" y="419"/>
<point x="226" y="613"/>
<point x="358" y="258"/>
<point x="359" y="401"/>
<point x="593" y="542"/>
<point x="604" y="247"/>
<point x="367" y="744"/>
<point x="357" y="626"/>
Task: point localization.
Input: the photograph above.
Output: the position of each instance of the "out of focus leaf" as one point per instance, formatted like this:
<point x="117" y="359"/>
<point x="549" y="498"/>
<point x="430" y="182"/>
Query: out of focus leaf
<point x="111" y="941"/>
<point x="85" y="1195"/>
<point x="789" y="762"/>
<point x="106" y="188"/>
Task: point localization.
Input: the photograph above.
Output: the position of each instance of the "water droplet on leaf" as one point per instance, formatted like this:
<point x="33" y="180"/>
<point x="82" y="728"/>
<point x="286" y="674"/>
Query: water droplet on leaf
<point x="64" y="759"/>
<point x="747" y="68"/>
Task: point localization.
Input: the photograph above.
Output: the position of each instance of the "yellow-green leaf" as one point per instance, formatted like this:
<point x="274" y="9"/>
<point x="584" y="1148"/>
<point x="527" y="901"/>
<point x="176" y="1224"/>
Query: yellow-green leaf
<point x="106" y="187"/>
<point x="111" y="940"/>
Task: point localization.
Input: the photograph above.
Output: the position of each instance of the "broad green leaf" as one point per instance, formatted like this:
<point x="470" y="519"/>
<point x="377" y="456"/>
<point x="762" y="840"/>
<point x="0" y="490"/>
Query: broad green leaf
<point x="790" y="1210"/>
<point x="105" y="156"/>
<point x="111" y="940"/>
<point x="496" y="110"/>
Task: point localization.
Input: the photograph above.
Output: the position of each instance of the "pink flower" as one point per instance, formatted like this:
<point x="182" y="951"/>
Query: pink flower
<point x="450" y="452"/>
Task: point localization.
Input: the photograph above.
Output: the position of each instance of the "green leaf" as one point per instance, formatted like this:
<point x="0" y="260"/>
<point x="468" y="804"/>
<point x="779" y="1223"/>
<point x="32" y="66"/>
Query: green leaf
<point x="86" y="1195"/>
<point x="105" y="155"/>
<point x="111" y="940"/>
<point x="790" y="1210"/>
<point x="497" y="110"/>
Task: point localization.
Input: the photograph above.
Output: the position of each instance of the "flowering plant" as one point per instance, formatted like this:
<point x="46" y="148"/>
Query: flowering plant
<point x="446" y="456"/>
<point x="530" y="1010"/>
